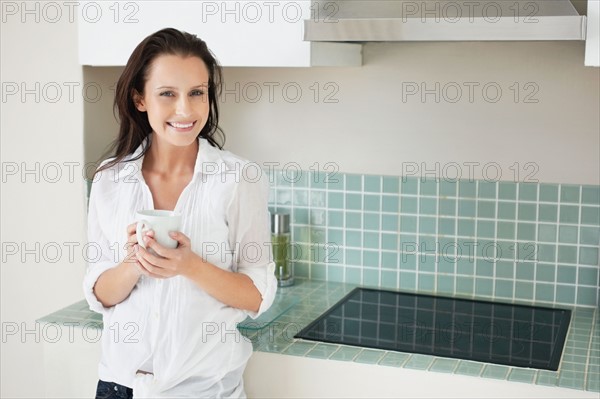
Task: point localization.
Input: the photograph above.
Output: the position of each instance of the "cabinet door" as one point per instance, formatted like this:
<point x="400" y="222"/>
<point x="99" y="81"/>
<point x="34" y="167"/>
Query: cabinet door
<point x="239" y="33"/>
<point x="592" y="41"/>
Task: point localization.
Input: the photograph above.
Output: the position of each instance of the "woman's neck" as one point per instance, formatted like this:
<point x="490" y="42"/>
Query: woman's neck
<point x="169" y="160"/>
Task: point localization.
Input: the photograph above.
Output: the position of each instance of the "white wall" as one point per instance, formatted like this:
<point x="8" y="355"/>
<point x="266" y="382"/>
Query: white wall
<point x="377" y="127"/>
<point x="372" y="130"/>
<point x="38" y="213"/>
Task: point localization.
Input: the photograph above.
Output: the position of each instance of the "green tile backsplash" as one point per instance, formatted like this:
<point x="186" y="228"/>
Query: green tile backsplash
<point x="513" y="241"/>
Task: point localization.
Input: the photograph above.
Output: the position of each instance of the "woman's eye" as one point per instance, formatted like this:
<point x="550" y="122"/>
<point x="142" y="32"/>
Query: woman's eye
<point x="167" y="94"/>
<point x="197" y="93"/>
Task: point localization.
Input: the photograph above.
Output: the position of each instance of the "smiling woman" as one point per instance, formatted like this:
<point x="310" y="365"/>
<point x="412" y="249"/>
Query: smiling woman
<point x="154" y="60"/>
<point x="182" y="303"/>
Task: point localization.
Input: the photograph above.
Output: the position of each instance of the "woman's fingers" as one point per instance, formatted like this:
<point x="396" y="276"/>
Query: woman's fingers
<point x="131" y="237"/>
<point x="161" y="251"/>
<point x="152" y="263"/>
<point x="181" y="238"/>
<point x="131" y="228"/>
<point x="132" y="232"/>
<point x="133" y="249"/>
<point x="145" y="267"/>
<point x="145" y="264"/>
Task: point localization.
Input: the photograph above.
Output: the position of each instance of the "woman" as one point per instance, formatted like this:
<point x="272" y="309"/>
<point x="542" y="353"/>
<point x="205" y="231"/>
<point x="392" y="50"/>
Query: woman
<point x="170" y="317"/>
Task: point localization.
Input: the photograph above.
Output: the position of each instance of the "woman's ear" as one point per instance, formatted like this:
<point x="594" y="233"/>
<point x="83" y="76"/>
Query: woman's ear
<point x="138" y="100"/>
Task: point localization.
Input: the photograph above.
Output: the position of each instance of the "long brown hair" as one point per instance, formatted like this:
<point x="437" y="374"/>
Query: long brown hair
<point x="134" y="125"/>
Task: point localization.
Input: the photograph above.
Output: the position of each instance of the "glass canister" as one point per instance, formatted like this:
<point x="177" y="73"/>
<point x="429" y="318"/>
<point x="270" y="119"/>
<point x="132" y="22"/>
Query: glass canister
<point x="280" y="240"/>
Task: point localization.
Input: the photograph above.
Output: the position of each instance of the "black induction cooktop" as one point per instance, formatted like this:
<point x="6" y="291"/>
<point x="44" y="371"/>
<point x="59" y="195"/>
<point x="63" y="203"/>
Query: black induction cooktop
<point x="515" y="335"/>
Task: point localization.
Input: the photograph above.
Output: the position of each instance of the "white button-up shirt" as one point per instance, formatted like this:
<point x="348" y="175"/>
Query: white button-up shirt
<point x="185" y="338"/>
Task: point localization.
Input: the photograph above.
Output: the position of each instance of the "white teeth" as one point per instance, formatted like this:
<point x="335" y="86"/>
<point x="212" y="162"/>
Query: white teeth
<point x="181" y="125"/>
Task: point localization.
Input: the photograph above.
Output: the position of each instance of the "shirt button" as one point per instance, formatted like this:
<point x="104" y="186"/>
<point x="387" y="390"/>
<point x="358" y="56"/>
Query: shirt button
<point x="116" y="388"/>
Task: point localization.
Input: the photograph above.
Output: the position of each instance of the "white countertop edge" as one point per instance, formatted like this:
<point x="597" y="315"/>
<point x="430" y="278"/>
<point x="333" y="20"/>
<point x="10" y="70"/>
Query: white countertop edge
<point x="284" y="376"/>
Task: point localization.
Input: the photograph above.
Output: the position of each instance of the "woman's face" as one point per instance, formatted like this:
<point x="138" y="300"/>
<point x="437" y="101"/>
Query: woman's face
<point x="176" y="98"/>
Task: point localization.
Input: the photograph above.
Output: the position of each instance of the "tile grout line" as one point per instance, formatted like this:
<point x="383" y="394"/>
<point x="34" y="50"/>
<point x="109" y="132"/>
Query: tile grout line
<point x="589" y="349"/>
<point x="380" y="234"/>
<point x="455" y="286"/>
<point x="515" y="241"/>
<point x="417" y="234"/>
<point x="437" y="238"/>
<point x="476" y="230"/>
<point x="489" y="220"/>
<point x="494" y="277"/>
<point x="577" y="249"/>
<point x="326" y="228"/>
<point x="536" y="265"/>
<point x="430" y="365"/>
<point x="486" y="219"/>
<point x="556" y="238"/>
<point x="531" y="202"/>
<point x="339" y="347"/>
<point x="405" y="362"/>
<point x="466" y="237"/>
<point x="536" y="261"/>
<point x="362" y="227"/>
<point x="455" y="367"/>
<point x="518" y="214"/>
<point x="345" y="230"/>
<point x="578" y="260"/>
<point x="398" y="262"/>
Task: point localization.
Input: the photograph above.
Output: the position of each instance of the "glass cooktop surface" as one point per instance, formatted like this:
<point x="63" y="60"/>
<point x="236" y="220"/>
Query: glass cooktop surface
<point x="515" y="335"/>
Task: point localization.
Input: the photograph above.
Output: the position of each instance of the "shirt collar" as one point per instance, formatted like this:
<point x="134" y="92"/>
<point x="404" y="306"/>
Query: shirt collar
<point x="209" y="161"/>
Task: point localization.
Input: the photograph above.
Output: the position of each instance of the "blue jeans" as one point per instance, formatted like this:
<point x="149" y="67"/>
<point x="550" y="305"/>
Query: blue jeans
<point x="110" y="390"/>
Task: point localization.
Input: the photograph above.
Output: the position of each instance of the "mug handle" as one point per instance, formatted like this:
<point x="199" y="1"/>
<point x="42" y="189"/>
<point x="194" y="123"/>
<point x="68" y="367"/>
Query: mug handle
<point x="138" y="232"/>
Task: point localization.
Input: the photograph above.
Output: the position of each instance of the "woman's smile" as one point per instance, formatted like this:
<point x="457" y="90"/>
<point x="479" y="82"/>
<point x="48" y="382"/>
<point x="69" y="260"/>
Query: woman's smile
<point x="182" y="127"/>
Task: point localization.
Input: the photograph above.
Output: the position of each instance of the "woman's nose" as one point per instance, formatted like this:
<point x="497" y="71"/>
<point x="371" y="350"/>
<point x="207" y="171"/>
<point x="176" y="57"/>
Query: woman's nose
<point x="183" y="106"/>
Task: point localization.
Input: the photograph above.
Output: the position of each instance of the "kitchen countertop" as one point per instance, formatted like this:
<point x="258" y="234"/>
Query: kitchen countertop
<point x="298" y="305"/>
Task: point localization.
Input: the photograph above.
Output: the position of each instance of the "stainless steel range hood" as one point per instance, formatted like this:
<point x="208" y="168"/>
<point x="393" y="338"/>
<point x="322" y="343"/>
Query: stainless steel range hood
<point x="443" y="20"/>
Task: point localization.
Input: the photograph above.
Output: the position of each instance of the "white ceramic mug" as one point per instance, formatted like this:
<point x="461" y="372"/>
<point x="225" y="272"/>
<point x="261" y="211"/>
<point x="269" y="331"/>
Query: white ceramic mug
<point x="161" y="222"/>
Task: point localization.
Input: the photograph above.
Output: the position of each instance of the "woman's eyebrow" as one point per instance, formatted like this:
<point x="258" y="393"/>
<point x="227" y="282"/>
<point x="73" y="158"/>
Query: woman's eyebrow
<point x="171" y="87"/>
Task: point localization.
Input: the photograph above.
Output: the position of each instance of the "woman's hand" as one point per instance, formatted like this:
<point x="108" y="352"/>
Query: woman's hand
<point x="132" y="249"/>
<point x="167" y="262"/>
<point x="233" y="289"/>
<point x="115" y="284"/>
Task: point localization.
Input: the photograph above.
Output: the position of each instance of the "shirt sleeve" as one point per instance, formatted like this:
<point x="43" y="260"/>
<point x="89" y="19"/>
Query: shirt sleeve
<point x="250" y="234"/>
<point x="100" y="258"/>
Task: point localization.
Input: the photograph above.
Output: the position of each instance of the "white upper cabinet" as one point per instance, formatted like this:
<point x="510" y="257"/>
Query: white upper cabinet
<point x="239" y="33"/>
<point x="592" y="41"/>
